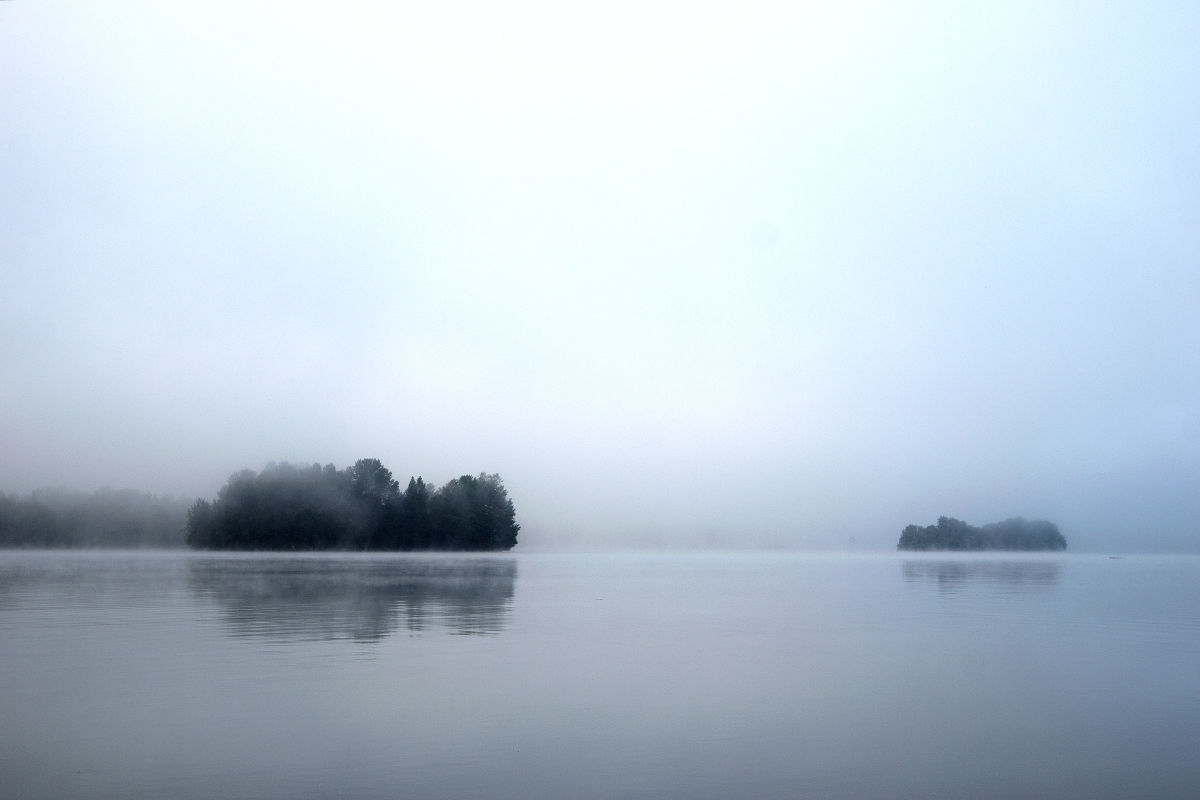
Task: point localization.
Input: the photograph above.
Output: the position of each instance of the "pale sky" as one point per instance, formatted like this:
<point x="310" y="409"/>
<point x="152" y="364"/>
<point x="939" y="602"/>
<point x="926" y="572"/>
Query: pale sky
<point x="683" y="274"/>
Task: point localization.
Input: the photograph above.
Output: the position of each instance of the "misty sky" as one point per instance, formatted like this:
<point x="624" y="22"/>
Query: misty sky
<point x="773" y="275"/>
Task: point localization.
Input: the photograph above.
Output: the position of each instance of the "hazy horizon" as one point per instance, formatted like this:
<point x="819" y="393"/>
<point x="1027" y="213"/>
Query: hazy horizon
<point x="741" y="275"/>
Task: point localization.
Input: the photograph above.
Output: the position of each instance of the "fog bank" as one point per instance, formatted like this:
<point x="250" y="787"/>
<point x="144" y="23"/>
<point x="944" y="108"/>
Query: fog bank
<point x="742" y="275"/>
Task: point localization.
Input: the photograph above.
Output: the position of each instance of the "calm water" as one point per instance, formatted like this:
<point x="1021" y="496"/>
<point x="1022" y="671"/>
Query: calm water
<point x="598" y="676"/>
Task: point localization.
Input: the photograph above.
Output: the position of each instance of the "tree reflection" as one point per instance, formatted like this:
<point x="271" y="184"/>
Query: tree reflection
<point x="360" y="599"/>
<point x="952" y="576"/>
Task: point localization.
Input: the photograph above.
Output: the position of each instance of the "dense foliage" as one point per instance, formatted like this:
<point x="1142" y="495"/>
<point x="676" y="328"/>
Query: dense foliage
<point x="287" y="507"/>
<point x="105" y="518"/>
<point x="1012" y="534"/>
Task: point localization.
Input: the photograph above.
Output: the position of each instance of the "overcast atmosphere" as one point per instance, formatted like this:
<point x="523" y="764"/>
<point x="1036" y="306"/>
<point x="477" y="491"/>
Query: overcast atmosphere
<point x="739" y="275"/>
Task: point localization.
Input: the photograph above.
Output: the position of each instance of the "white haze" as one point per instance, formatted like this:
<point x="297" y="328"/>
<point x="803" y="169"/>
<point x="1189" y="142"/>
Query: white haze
<point x="684" y="274"/>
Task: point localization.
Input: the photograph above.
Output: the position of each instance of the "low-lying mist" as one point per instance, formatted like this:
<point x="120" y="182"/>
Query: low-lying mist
<point x="103" y="518"/>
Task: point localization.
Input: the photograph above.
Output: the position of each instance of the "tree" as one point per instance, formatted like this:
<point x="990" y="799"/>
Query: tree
<point x="285" y="507"/>
<point x="1016" y="533"/>
<point x="472" y="513"/>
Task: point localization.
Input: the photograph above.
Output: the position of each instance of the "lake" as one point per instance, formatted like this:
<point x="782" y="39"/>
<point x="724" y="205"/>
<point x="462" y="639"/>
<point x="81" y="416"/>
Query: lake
<point x="650" y="675"/>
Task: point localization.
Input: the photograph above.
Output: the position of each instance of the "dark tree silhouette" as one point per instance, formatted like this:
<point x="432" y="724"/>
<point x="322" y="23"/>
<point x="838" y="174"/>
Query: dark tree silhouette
<point x="1011" y="534"/>
<point x="286" y="507"/>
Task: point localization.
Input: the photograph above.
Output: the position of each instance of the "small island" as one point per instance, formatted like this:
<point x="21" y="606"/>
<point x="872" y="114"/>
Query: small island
<point x="288" y="507"/>
<point x="1016" y="533"/>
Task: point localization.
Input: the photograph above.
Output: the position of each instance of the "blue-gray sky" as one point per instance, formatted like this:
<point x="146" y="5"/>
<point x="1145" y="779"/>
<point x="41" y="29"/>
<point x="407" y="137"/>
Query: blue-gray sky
<point x="682" y="273"/>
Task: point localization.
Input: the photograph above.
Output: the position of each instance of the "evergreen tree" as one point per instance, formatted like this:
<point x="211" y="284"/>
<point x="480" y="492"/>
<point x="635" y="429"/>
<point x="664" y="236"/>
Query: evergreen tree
<point x="285" y="507"/>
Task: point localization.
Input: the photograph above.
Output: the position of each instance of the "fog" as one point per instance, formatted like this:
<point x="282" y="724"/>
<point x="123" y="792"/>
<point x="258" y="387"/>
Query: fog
<point x="790" y="275"/>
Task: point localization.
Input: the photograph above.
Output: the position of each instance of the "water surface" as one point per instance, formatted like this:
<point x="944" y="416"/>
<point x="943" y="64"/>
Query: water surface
<point x="138" y="675"/>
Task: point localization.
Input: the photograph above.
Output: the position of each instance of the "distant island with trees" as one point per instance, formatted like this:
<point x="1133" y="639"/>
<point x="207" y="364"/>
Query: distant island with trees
<point x="284" y="507"/>
<point x="288" y="507"/>
<point x="1016" y="533"/>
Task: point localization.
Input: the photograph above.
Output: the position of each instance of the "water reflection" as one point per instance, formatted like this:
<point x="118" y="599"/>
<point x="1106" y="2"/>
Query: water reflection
<point x="363" y="600"/>
<point x="953" y="576"/>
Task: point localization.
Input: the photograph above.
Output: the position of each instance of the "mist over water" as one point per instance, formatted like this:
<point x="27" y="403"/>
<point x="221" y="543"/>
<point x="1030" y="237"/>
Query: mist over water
<point x="598" y="676"/>
<point x="721" y="290"/>
<point x="752" y="274"/>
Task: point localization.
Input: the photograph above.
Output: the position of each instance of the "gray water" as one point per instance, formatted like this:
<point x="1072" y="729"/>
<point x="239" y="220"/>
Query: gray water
<point x="176" y="675"/>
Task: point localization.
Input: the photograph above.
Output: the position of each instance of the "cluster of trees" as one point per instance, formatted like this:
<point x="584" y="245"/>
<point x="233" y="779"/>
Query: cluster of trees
<point x="1011" y="534"/>
<point x="288" y="507"/>
<point x="105" y="518"/>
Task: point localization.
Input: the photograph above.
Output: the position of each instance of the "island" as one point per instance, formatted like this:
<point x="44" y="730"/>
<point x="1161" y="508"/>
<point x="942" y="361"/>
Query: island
<point x="290" y="507"/>
<point x="1016" y="533"/>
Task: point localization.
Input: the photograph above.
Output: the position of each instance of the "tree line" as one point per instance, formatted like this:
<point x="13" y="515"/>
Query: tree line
<point x="104" y="518"/>
<point x="1016" y="533"/>
<point x="291" y="507"/>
